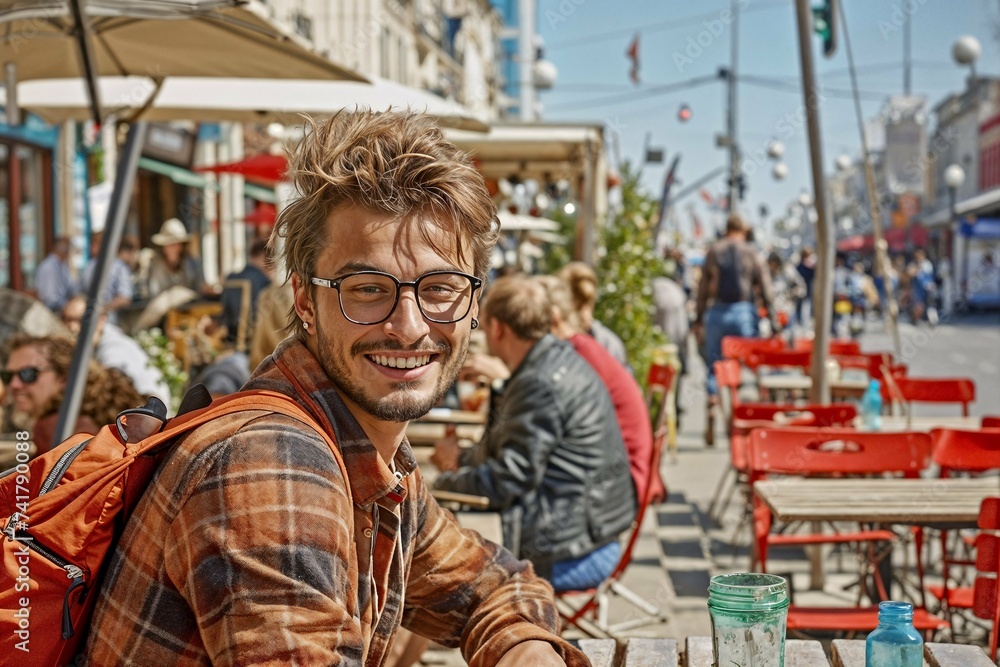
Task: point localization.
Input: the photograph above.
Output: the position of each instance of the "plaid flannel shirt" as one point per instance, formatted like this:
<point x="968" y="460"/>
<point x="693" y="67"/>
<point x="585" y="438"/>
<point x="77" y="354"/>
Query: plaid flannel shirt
<point x="250" y="547"/>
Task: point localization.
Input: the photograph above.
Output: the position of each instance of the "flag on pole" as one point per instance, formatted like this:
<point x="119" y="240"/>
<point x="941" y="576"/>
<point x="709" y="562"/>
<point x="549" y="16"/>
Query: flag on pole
<point x="633" y="55"/>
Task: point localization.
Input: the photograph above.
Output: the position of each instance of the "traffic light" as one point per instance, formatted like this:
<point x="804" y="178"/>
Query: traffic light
<point x="684" y="113"/>
<point x="825" y="25"/>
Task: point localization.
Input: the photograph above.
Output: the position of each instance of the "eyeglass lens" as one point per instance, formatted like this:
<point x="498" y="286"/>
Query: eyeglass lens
<point x="442" y="297"/>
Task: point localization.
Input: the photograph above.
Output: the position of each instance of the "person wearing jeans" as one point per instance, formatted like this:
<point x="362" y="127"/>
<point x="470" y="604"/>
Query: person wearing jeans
<point x="733" y="278"/>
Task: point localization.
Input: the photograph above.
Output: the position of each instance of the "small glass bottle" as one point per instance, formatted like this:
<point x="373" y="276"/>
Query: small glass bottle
<point x="871" y="407"/>
<point x="895" y="642"/>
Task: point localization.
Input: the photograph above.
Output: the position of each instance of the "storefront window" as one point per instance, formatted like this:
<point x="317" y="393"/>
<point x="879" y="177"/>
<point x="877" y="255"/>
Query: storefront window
<point x="25" y="212"/>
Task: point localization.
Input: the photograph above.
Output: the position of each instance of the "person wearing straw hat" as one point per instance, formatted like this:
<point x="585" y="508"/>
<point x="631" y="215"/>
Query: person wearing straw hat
<point x="172" y="266"/>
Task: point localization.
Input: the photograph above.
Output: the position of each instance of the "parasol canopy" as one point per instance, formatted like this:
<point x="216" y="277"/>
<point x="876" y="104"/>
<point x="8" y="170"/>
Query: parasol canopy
<point x="157" y="39"/>
<point x="242" y="99"/>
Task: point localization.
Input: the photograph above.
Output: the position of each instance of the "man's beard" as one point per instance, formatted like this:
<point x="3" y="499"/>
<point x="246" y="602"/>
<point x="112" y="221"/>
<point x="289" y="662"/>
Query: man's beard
<point x="404" y="403"/>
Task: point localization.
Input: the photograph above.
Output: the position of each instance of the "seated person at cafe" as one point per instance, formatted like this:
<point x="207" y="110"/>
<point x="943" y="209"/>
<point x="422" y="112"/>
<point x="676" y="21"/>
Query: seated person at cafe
<point x="554" y="462"/>
<point x="630" y="406"/>
<point x="115" y="349"/>
<point x="35" y="375"/>
<point x="238" y="317"/>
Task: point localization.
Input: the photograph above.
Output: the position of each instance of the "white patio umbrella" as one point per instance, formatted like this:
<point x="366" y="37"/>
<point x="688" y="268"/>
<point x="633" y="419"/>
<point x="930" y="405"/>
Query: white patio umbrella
<point x="516" y="222"/>
<point x="242" y="100"/>
<point x="157" y="39"/>
<point x="42" y="39"/>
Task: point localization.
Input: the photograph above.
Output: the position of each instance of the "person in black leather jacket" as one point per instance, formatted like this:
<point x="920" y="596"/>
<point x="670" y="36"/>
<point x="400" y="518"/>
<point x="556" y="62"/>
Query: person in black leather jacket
<point x="552" y="459"/>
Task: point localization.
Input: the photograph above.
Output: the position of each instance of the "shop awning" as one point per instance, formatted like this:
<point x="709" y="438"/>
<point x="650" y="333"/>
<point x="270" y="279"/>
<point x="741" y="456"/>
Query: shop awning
<point x="178" y="175"/>
<point x="898" y="239"/>
<point x="983" y="228"/>
<point x="985" y="202"/>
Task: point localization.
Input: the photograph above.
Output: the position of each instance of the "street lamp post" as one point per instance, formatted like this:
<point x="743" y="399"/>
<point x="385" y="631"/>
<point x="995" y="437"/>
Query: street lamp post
<point x="954" y="177"/>
<point x="965" y="51"/>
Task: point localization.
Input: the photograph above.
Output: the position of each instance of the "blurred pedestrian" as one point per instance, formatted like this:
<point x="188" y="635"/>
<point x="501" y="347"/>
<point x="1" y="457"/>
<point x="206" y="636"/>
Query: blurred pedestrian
<point x="733" y="278"/>
<point x="54" y="283"/>
<point x="787" y="286"/>
<point x="807" y="269"/>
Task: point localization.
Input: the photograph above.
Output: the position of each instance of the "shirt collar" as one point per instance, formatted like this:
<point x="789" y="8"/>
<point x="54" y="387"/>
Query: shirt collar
<point x="294" y="371"/>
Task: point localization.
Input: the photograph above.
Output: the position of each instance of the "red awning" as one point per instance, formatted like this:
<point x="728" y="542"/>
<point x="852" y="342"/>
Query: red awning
<point x="263" y="216"/>
<point x="896" y="238"/>
<point x="267" y="169"/>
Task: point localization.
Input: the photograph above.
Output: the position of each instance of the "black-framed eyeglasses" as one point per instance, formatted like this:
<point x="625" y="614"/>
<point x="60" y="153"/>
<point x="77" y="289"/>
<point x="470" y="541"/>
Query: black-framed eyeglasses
<point x="28" y="375"/>
<point x="370" y="297"/>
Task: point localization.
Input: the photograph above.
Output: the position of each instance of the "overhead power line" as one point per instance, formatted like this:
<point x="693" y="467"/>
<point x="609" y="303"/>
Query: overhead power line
<point x="696" y="19"/>
<point x="652" y="91"/>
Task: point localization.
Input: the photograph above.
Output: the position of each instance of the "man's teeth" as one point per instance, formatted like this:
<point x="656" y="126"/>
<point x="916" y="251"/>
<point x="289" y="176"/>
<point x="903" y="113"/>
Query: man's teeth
<point x="401" y="362"/>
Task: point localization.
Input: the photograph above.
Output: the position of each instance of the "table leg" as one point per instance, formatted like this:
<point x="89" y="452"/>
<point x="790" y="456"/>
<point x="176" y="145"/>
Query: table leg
<point x="817" y="575"/>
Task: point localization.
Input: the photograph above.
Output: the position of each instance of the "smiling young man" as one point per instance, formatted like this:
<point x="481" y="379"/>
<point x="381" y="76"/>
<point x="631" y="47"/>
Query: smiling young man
<point x="257" y="543"/>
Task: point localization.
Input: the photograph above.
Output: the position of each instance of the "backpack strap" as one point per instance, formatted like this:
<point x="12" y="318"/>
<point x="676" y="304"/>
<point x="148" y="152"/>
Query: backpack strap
<point x="256" y="399"/>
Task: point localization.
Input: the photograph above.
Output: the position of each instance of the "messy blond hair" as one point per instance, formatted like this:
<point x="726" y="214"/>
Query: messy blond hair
<point x="388" y="162"/>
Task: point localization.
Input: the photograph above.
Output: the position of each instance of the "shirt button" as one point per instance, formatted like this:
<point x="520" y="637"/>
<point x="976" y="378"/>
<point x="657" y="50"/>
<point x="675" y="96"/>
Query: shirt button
<point x="368" y="533"/>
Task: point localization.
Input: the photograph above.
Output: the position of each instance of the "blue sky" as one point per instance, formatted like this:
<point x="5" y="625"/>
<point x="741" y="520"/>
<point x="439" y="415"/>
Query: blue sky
<point x="587" y="40"/>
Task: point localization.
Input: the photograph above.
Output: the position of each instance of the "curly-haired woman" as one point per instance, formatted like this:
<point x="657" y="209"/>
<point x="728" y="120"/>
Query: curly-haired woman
<point x="35" y="379"/>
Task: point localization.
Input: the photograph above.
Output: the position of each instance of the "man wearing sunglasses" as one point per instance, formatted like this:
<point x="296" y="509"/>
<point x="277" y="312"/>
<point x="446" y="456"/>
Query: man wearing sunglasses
<point x="257" y="543"/>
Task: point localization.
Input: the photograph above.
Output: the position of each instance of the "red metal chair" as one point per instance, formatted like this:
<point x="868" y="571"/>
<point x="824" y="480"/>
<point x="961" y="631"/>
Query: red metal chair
<point x="735" y="347"/>
<point x="986" y="589"/>
<point x="938" y="390"/>
<point x="595" y="606"/>
<point x="986" y="560"/>
<point x="958" y="452"/>
<point x="728" y="376"/>
<point x="748" y="416"/>
<point x="842" y="347"/>
<point x="841" y="452"/>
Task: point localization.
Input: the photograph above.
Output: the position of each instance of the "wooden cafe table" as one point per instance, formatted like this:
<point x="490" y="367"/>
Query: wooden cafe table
<point x="841" y="388"/>
<point x="943" y="503"/>
<point x="697" y="652"/>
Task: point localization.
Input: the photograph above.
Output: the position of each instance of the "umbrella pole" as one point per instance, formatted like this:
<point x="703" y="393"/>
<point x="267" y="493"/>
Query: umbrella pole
<point x="113" y="230"/>
<point x="81" y="31"/>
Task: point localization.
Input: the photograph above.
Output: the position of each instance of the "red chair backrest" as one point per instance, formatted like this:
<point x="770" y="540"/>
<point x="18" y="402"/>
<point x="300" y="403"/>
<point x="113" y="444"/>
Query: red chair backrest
<point x="991" y="422"/>
<point x="848" y="347"/>
<point x="814" y="451"/>
<point x="844" y="347"/>
<point x="735" y="347"/>
<point x="966" y="451"/>
<point x="987" y="583"/>
<point x="727" y="375"/>
<point x="938" y="390"/>
<point x="779" y="358"/>
<point x="836" y="414"/>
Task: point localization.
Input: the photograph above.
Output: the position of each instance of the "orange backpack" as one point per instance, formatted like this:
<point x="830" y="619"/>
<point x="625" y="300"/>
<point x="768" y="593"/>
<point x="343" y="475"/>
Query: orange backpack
<point x="63" y="512"/>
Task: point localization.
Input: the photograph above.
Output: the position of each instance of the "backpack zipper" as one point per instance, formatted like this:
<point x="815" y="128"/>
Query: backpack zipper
<point x="73" y="572"/>
<point x="59" y="469"/>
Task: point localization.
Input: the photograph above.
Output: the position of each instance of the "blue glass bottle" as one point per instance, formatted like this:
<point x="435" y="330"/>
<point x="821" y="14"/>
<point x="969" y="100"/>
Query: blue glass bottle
<point x="895" y="642"/>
